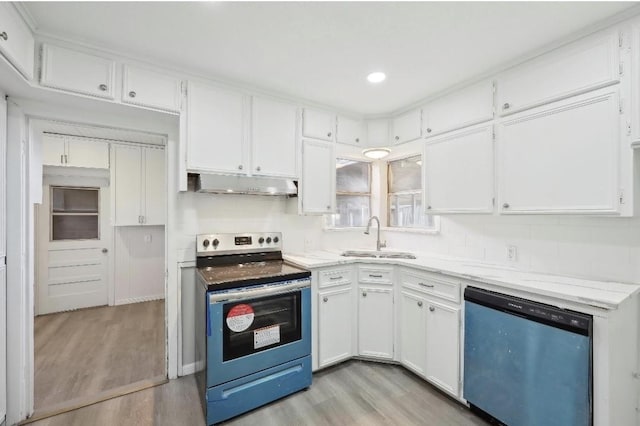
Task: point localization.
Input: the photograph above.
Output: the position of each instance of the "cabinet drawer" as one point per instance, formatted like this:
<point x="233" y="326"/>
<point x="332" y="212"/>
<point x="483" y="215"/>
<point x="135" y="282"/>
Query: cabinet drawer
<point x="375" y="275"/>
<point x="150" y="89"/>
<point x="334" y="277"/>
<point x="434" y="284"/>
<point x="77" y="72"/>
<point x="17" y="43"/>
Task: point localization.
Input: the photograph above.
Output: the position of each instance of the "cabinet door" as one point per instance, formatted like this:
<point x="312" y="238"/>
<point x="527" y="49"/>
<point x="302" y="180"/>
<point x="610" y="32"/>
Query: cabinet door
<point x="443" y="347"/>
<point x="375" y="322"/>
<point x="3" y="183"/>
<point x="581" y="66"/>
<point x="150" y="88"/>
<point x="318" y="177"/>
<point x="458" y="172"/>
<point x="561" y="158"/>
<point x="467" y="106"/>
<point x="350" y="131"/>
<point x="273" y="138"/>
<point x="155" y="190"/>
<point x="3" y="340"/>
<point x="54" y="148"/>
<point x="318" y="124"/>
<point x="77" y="72"/>
<point x="336" y="319"/>
<point x="87" y="153"/>
<point x="215" y="130"/>
<point x="377" y="133"/>
<point x="407" y="127"/>
<point x="413" y="334"/>
<point x="17" y="43"/>
<point x="126" y="178"/>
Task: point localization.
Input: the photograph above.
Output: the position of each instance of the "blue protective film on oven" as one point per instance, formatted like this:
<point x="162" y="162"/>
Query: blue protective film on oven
<point x="525" y="373"/>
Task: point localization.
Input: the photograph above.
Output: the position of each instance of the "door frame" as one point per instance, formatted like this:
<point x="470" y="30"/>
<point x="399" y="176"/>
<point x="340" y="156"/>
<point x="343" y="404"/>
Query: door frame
<point x="24" y="167"/>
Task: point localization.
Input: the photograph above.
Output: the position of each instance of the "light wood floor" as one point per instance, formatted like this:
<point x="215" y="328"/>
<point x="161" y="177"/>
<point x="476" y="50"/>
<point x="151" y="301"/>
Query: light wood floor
<point x="88" y="351"/>
<point x="353" y="393"/>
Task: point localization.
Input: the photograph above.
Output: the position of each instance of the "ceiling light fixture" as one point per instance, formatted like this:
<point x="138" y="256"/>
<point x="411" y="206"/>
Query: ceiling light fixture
<point x="376" y="77"/>
<point x="376" y="153"/>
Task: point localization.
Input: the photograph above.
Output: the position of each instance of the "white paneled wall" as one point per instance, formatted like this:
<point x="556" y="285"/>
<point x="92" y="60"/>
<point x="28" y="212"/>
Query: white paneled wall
<point x="139" y="263"/>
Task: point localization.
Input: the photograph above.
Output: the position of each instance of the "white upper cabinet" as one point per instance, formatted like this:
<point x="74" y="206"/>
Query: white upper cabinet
<point x="406" y="127"/>
<point x="350" y="131"/>
<point x="318" y="177"/>
<point x="576" y="68"/>
<point x="76" y="71"/>
<point x="318" y="124"/>
<point x="69" y="151"/>
<point x="215" y="129"/>
<point x="16" y="41"/>
<point x="458" y="172"/>
<point x="465" y="107"/>
<point x="378" y="132"/>
<point x="149" y="88"/>
<point x="562" y="157"/>
<point x="138" y="185"/>
<point x="273" y="138"/>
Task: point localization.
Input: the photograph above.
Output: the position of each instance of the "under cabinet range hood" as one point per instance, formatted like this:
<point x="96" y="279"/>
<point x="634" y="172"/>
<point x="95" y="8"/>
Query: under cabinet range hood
<point x="224" y="184"/>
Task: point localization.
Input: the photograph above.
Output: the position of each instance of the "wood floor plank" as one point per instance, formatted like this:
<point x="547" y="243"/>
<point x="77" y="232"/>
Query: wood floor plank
<point x="90" y="351"/>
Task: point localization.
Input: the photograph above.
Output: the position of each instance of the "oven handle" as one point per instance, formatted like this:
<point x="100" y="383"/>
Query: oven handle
<point x="261" y="292"/>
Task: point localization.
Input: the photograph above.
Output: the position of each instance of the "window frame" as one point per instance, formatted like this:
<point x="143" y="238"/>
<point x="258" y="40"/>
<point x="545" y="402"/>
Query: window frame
<point x="52" y="213"/>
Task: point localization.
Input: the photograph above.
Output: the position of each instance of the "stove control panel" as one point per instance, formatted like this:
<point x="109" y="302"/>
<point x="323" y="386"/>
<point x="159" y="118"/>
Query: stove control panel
<point x="215" y="244"/>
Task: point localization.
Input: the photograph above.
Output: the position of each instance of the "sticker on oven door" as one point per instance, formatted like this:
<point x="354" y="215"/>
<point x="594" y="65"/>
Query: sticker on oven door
<point x="240" y="317"/>
<point x="266" y="336"/>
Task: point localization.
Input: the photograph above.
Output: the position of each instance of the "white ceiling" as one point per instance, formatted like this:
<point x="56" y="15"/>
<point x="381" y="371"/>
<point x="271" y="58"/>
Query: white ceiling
<point x="322" y="51"/>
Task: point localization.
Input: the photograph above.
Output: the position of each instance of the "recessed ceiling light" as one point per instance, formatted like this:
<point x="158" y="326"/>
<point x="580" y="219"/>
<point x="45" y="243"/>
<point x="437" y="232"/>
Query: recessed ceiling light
<point x="376" y="77"/>
<point x="376" y="153"/>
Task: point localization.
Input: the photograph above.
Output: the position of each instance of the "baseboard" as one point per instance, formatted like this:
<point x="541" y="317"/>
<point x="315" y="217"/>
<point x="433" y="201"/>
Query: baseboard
<point x="192" y="368"/>
<point x="139" y="299"/>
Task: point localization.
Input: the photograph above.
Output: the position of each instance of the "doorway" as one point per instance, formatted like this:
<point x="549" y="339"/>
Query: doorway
<point x="99" y="329"/>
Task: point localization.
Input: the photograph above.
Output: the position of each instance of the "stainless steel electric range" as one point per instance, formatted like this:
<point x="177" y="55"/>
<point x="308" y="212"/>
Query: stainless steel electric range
<point x="253" y="323"/>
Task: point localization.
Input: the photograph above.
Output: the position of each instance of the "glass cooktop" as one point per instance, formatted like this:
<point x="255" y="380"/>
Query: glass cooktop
<point x="250" y="273"/>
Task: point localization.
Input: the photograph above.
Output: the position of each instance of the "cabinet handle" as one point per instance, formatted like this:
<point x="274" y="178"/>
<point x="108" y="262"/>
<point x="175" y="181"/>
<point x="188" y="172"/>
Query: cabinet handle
<point x="428" y="129"/>
<point x="506" y="105"/>
<point x="364" y="294"/>
<point x="328" y="207"/>
<point x="103" y="87"/>
<point x="132" y="94"/>
<point x="428" y="207"/>
<point x="325" y="299"/>
<point x="426" y="285"/>
<point x="104" y="250"/>
<point x="66" y="159"/>
<point x="397" y="138"/>
<point x="335" y="278"/>
<point x="258" y="169"/>
<point x="329" y="134"/>
<point x="4" y="36"/>
<point x="375" y="276"/>
<point x="240" y="167"/>
<point x="420" y="304"/>
<point x="357" y="139"/>
<point x="505" y="206"/>
<point x="144" y="219"/>
<point x="140" y="219"/>
<point x="61" y="159"/>
<point x="431" y="308"/>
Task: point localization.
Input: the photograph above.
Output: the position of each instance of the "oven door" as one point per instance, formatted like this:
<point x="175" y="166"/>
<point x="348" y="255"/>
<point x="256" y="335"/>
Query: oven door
<point x="250" y="330"/>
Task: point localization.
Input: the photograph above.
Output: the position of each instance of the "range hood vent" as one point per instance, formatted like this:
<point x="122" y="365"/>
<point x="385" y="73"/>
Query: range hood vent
<point x="224" y="184"/>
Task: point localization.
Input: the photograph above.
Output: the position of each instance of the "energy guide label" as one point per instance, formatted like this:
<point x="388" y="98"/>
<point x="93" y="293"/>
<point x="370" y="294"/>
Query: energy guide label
<point x="240" y="317"/>
<point x="266" y="336"/>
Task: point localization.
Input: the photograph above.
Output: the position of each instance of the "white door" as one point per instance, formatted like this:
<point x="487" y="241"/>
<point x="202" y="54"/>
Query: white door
<point x="74" y="238"/>
<point x="375" y="322"/>
<point x="335" y="326"/>
<point x="273" y="138"/>
<point x="413" y="333"/>
<point x="154" y="187"/>
<point x="126" y="178"/>
<point x="318" y="177"/>
<point x="443" y="346"/>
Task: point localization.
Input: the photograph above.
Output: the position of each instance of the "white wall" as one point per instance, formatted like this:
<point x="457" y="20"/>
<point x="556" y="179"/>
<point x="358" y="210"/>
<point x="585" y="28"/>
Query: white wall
<point x="139" y="264"/>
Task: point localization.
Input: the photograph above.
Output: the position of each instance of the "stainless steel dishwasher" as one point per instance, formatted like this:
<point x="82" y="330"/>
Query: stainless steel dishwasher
<point x="526" y="363"/>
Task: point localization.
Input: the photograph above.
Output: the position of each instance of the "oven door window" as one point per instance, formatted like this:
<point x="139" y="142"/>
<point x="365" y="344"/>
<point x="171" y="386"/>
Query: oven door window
<point x="259" y="324"/>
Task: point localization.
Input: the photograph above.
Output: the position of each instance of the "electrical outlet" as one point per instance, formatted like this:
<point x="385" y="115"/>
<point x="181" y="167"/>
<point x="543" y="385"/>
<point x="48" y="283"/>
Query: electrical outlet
<point x="308" y="244"/>
<point x="512" y="253"/>
<point x="147" y="238"/>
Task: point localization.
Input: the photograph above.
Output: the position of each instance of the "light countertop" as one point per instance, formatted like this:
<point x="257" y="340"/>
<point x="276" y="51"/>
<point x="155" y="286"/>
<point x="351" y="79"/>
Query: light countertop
<point x="601" y="294"/>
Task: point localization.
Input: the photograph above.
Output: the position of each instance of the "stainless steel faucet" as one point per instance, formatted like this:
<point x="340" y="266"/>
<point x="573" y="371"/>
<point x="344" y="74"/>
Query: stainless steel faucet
<point x="379" y="245"/>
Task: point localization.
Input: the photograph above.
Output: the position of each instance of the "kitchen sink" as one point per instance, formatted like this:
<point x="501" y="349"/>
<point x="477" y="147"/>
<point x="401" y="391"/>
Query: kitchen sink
<point x="378" y="254"/>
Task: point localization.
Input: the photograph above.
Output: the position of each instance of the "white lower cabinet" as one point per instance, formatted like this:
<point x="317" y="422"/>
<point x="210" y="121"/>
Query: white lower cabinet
<point x="375" y="322"/>
<point x="443" y="346"/>
<point x="335" y="325"/>
<point x="413" y="332"/>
